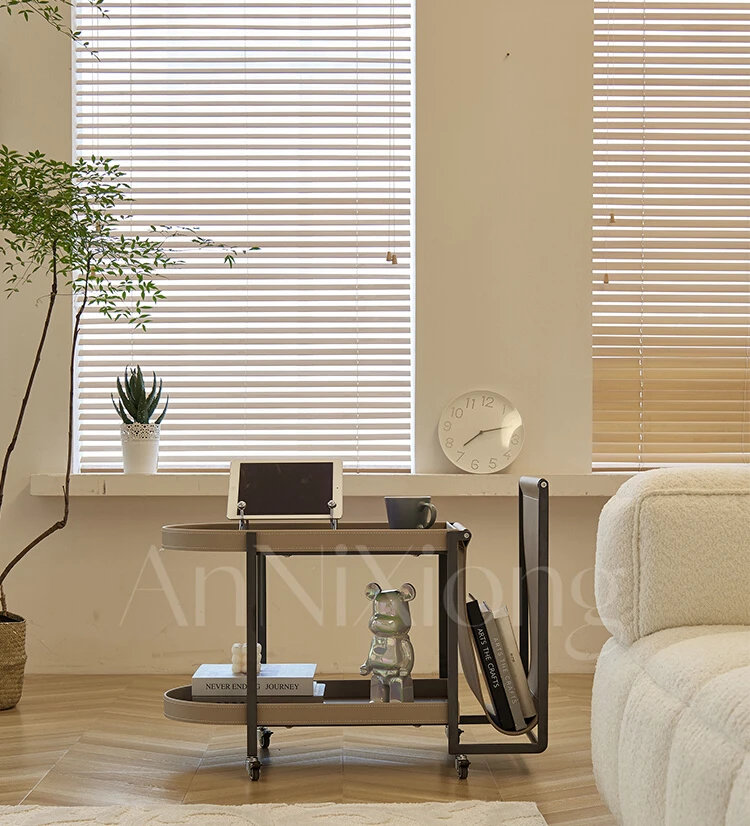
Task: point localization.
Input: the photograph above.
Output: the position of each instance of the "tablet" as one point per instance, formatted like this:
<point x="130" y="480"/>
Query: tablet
<point x="294" y="490"/>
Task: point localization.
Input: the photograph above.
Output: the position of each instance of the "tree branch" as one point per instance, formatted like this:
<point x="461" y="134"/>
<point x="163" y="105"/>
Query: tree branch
<point x="30" y="384"/>
<point x="60" y="524"/>
<point x="71" y="393"/>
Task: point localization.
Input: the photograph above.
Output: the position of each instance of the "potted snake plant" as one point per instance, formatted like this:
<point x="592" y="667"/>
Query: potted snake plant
<point x="140" y="436"/>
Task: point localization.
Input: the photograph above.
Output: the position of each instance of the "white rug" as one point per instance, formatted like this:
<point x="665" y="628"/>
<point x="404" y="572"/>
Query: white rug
<point x="464" y="813"/>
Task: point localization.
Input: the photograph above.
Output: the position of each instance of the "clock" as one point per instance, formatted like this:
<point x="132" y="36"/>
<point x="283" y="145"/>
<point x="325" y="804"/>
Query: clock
<point x="481" y="431"/>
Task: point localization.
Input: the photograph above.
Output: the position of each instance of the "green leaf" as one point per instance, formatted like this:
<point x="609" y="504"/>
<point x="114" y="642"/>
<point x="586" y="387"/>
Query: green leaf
<point x="120" y="411"/>
<point x="132" y="385"/>
<point x="163" y="412"/>
<point x="153" y="398"/>
<point x="125" y="399"/>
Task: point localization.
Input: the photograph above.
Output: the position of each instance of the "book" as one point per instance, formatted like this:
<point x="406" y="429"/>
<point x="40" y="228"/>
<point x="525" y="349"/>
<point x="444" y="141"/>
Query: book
<point x="318" y="695"/>
<point x="508" y="639"/>
<point x="502" y="663"/>
<point x="489" y="665"/>
<point x="218" y="680"/>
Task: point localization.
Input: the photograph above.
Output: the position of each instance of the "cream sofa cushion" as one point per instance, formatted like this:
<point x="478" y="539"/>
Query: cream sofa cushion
<point x="671" y="727"/>
<point x="673" y="549"/>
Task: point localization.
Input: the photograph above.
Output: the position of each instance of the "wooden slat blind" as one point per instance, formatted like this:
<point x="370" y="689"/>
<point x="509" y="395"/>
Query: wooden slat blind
<point x="285" y="125"/>
<point x="671" y="233"/>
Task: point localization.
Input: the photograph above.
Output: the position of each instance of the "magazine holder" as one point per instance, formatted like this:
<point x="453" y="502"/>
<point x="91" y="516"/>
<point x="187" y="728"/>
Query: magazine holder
<point x="533" y="612"/>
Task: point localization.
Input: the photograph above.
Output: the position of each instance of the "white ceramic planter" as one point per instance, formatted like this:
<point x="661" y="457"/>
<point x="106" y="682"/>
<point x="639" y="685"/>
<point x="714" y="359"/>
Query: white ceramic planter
<point x="140" y="447"/>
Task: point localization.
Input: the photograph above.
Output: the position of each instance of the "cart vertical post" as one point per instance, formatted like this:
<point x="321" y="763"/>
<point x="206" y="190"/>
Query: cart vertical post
<point x="533" y="544"/>
<point x="252" y="764"/>
<point x="449" y="614"/>
<point x="442" y="616"/>
<point x="262" y="607"/>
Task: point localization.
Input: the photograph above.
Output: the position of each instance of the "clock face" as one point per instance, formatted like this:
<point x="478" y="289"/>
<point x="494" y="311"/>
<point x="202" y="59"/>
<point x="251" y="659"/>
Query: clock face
<point x="481" y="431"/>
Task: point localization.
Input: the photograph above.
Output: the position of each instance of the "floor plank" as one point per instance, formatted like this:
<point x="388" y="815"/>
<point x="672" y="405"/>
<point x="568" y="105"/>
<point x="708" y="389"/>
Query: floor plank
<point x="90" y="740"/>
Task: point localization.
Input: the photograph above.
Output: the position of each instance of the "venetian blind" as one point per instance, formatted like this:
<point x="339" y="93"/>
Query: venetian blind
<point x="671" y="232"/>
<point x="285" y="125"/>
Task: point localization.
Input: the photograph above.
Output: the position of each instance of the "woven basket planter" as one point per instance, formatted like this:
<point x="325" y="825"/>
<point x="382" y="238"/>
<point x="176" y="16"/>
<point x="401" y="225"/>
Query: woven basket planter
<point x="12" y="658"/>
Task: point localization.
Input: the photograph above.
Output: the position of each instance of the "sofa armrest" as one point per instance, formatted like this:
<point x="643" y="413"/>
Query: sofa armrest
<point x="673" y="549"/>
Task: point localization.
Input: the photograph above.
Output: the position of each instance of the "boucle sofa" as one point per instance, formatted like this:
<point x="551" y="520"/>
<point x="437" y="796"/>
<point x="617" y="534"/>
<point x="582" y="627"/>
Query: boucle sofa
<point x="670" y="723"/>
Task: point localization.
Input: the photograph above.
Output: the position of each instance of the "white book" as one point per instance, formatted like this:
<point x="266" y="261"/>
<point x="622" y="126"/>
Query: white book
<point x="502" y="665"/>
<point x="318" y="695"/>
<point x="513" y="655"/>
<point x="282" y="679"/>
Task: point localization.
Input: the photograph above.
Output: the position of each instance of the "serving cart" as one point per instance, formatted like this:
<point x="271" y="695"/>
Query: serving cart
<point x="346" y="702"/>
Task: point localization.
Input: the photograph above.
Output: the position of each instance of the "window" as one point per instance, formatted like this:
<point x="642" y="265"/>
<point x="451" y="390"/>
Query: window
<point x="671" y="232"/>
<point x="286" y="125"/>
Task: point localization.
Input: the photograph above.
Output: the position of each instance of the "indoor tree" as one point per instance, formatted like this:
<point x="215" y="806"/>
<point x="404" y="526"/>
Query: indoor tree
<point x="59" y="223"/>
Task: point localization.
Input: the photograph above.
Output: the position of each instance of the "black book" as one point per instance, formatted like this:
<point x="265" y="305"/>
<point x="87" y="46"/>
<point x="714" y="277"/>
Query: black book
<point x="489" y="666"/>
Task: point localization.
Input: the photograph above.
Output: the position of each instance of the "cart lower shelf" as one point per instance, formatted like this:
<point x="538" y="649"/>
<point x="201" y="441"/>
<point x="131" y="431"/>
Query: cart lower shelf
<point x="346" y="704"/>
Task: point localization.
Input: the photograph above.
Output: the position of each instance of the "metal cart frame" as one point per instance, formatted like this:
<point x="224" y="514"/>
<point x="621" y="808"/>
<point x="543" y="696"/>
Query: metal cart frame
<point x="533" y="619"/>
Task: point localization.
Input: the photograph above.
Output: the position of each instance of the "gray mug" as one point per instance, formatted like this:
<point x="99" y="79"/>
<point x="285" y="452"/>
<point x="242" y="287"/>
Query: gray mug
<point x="409" y="512"/>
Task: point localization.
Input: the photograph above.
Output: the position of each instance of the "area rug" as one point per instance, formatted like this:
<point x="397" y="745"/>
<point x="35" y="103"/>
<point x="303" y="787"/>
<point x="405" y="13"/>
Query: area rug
<point x="463" y="813"/>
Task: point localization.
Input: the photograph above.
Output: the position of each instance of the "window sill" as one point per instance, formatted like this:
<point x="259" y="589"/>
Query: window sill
<point x="355" y="484"/>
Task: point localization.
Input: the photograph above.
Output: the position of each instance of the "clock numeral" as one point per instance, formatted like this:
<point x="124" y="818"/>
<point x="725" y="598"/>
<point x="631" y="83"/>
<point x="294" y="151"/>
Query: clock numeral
<point x="457" y="412"/>
<point x="461" y="454"/>
<point x="447" y="425"/>
<point x="475" y="464"/>
<point x="470" y="403"/>
<point x="493" y="464"/>
<point x="449" y="442"/>
<point x="515" y="440"/>
<point x="507" y="455"/>
<point x="488" y="401"/>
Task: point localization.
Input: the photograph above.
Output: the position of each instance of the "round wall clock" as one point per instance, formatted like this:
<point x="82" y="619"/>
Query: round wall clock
<point x="481" y="431"/>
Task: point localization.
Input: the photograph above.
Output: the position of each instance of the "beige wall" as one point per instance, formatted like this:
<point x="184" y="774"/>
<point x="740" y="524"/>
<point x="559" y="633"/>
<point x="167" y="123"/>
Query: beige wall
<point x="503" y="220"/>
<point x="503" y="263"/>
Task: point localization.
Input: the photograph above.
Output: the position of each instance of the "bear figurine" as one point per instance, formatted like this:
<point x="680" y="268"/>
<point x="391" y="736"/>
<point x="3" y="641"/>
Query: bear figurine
<point x="391" y="656"/>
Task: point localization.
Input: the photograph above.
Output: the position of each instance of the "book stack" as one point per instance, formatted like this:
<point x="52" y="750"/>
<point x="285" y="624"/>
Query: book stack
<point x="277" y="682"/>
<point x="502" y="668"/>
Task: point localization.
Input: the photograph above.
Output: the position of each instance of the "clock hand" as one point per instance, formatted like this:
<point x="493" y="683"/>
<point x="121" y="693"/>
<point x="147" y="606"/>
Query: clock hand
<point x="489" y="430"/>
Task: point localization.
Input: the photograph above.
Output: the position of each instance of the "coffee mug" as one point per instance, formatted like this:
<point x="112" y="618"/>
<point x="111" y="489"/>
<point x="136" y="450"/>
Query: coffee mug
<point x="409" y="512"/>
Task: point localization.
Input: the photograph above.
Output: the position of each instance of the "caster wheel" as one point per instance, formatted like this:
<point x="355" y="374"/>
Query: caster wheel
<point x="264" y="738"/>
<point x="462" y="766"/>
<point x="252" y="764"/>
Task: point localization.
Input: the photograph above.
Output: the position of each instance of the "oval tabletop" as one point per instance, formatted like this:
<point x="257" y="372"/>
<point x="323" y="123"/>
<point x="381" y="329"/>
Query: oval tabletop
<point x="310" y="538"/>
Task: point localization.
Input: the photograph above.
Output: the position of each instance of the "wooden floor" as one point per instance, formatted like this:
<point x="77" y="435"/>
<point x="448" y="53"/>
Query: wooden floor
<point x="103" y="740"/>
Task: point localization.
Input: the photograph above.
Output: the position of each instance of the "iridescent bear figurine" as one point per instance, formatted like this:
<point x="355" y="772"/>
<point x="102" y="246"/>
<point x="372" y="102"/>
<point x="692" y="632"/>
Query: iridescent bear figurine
<point x="391" y="656"/>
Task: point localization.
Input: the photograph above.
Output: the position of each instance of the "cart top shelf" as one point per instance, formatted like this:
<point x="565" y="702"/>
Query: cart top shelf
<point x="313" y="538"/>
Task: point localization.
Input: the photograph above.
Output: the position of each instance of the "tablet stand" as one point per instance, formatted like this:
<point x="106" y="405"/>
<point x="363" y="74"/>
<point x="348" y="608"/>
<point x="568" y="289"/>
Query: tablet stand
<point x="334" y="521"/>
<point x="243" y="526"/>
